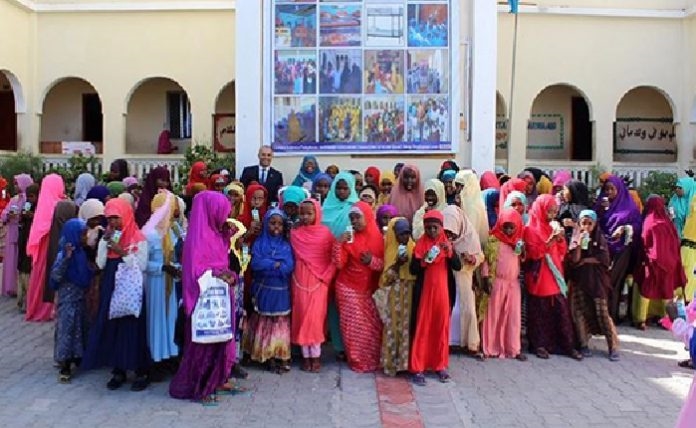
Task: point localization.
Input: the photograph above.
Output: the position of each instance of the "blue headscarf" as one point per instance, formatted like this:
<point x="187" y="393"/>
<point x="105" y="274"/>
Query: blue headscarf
<point x="588" y="213"/>
<point x="681" y="205"/>
<point x="294" y="194"/>
<point x="78" y="271"/>
<point x="321" y="177"/>
<point x="272" y="248"/>
<point x="84" y="183"/>
<point x="521" y="196"/>
<point x="490" y="198"/>
<point x="448" y="175"/>
<point x="304" y="176"/>
<point x="99" y="192"/>
<point x="334" y="211"/>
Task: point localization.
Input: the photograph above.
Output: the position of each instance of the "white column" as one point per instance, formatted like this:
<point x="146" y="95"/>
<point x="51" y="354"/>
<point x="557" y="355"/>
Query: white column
<point x="114" y="130"/>
<point x="484" y="68"/>
<point x="248" y="81"/>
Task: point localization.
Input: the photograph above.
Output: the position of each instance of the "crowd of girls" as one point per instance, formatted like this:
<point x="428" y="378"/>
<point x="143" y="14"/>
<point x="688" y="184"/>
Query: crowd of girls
<point x="394" y="270"/>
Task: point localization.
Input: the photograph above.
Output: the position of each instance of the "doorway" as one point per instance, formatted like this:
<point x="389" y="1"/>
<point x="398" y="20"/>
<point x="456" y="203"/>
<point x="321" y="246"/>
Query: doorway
<point x="92" y="118"/>
<point x="8" y="121"/>
<point x="581" y="130"/>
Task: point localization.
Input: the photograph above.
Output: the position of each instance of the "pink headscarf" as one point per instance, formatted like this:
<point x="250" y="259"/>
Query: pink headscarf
<point x="312" y="245"/>
<point x="489" y="181"/>
<point x="52" y="192"/>
<point x="407" y="202"/>
<point x="205" y="247"/>
<point x="561" y="178"/>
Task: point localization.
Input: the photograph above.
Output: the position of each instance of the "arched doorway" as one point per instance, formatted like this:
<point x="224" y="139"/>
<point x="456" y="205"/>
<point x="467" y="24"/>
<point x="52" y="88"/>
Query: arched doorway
<point x="71" y="118"/>
<point x="154" y="105"/>
<point x="11" y="100"/>
<point x="224" y="121"/>
<point x="644" y="128"/>
<point x="560" y="125"/>
<point x="502" y="129"/>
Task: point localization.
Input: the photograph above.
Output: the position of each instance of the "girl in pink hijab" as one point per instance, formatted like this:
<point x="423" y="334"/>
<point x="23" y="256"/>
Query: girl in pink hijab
<point x="52" y="192"/>
<point x="407" y="195"/>
<point x="10" y="218"/>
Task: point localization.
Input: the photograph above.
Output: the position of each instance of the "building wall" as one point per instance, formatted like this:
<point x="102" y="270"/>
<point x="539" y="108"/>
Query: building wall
<point x="116" y="52"/>
<point x="604" y="57"/>
<point x="566" y="49"/>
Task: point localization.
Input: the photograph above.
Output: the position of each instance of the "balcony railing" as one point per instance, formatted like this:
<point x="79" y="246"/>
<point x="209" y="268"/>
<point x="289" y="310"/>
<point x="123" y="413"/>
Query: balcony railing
<point x="583" y="171"/>
<point x="139" y="166"/>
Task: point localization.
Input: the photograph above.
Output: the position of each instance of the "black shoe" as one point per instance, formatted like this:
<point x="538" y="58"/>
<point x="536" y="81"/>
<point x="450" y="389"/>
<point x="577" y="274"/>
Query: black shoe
<point x="140" y="383"/>
<point x="239" y="373"/>
<point x="116" y="381"/>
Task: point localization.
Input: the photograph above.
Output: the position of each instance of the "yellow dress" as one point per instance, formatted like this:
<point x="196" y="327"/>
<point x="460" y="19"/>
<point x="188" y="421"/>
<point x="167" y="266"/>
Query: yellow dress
<point x="688" y="252"/>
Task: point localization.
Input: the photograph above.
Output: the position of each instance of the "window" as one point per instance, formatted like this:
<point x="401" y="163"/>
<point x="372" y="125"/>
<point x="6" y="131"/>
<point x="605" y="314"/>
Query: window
<point x="179" y="114"/>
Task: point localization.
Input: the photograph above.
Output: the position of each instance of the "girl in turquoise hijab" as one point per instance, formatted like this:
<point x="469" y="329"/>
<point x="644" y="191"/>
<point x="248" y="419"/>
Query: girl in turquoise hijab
<point x="309" y="169"/>
<point x="338" y="203"/>
<point x="680" y="202"/>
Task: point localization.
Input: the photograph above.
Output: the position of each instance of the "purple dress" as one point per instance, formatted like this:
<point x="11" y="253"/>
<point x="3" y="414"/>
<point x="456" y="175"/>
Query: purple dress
<point x="204" y="367"/>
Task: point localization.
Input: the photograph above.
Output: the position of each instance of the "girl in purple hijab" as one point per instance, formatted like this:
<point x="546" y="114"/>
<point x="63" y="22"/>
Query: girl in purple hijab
<point x="384" y="215"/>
<point x="620" y="222"/>
<point x="205" y="368"/>
<point x="157" y="179"/>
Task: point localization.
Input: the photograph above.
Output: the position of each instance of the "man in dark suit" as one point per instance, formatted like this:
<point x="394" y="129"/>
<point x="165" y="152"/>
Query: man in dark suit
<point x="264" y="174"/>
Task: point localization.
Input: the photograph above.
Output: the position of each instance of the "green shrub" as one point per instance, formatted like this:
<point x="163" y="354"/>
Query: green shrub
<point x="658" y="183"/>
<point x="204" y="152"/>
<point x="20" y="163"/>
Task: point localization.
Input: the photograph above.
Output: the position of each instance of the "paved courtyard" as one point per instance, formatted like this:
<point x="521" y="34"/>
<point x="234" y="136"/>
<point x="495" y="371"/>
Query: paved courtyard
<point x="644" y="389"/>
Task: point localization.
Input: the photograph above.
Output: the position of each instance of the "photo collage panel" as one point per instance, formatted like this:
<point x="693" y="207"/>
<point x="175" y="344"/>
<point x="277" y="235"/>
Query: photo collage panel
<point x="361" y="74"/>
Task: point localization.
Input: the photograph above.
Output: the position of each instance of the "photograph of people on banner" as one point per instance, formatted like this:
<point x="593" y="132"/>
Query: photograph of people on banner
<point x="295" y="119"/>
<point x="341" y="71"/>
<point x="295" y="72"/>
<point x="339" y="120"/>
<point x="295" y="26"/>
<point x="427" y="25"/>
<point x="384" y="72"/>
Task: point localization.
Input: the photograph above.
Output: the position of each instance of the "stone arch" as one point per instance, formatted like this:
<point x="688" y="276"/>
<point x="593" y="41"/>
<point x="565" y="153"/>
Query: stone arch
<point x="71" y="111"/>
<point x="644" y="128"/>
<point x="224" y="120"/>
<point x="560" y="124"/>
<point x="155" y="104"/>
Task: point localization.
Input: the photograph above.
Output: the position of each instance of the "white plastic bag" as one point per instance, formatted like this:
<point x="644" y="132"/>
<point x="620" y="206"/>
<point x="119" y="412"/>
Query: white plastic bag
<point x="211" y="321"/>
<point x="127" y="298"/>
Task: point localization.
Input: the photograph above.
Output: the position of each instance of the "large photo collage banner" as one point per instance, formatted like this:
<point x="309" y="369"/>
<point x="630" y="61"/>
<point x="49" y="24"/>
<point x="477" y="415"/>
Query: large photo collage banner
<point x="366" y="76"/>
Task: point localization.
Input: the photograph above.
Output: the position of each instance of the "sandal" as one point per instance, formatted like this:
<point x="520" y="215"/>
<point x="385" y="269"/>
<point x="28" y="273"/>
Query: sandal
<point x="641" y="326"/>
<point x="307" y="365"/>
<point x="576" y="355"/>
<point x="116" y="381"/>
<point x="480" y="356"/>
<point x="614" y="356"/>
<point x="316" y="365"/>
<point x="64" y="376"/>
<point x="209" y="401"/>
<point x="586" y="352"/>
<point x="443" y="376"/>
<point x="521" y="357"/>
<point x="284" y="367"/>
<point x="239" y="373"/>
<point x="419" y="379"/>
<point x="686" y="364"/>
<point x="140" y="384"/>
<point x="542" y="353"/>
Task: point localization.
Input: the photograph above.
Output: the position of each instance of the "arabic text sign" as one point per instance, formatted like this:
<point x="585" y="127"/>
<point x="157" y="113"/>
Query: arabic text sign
<point x="645" y="136"/>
